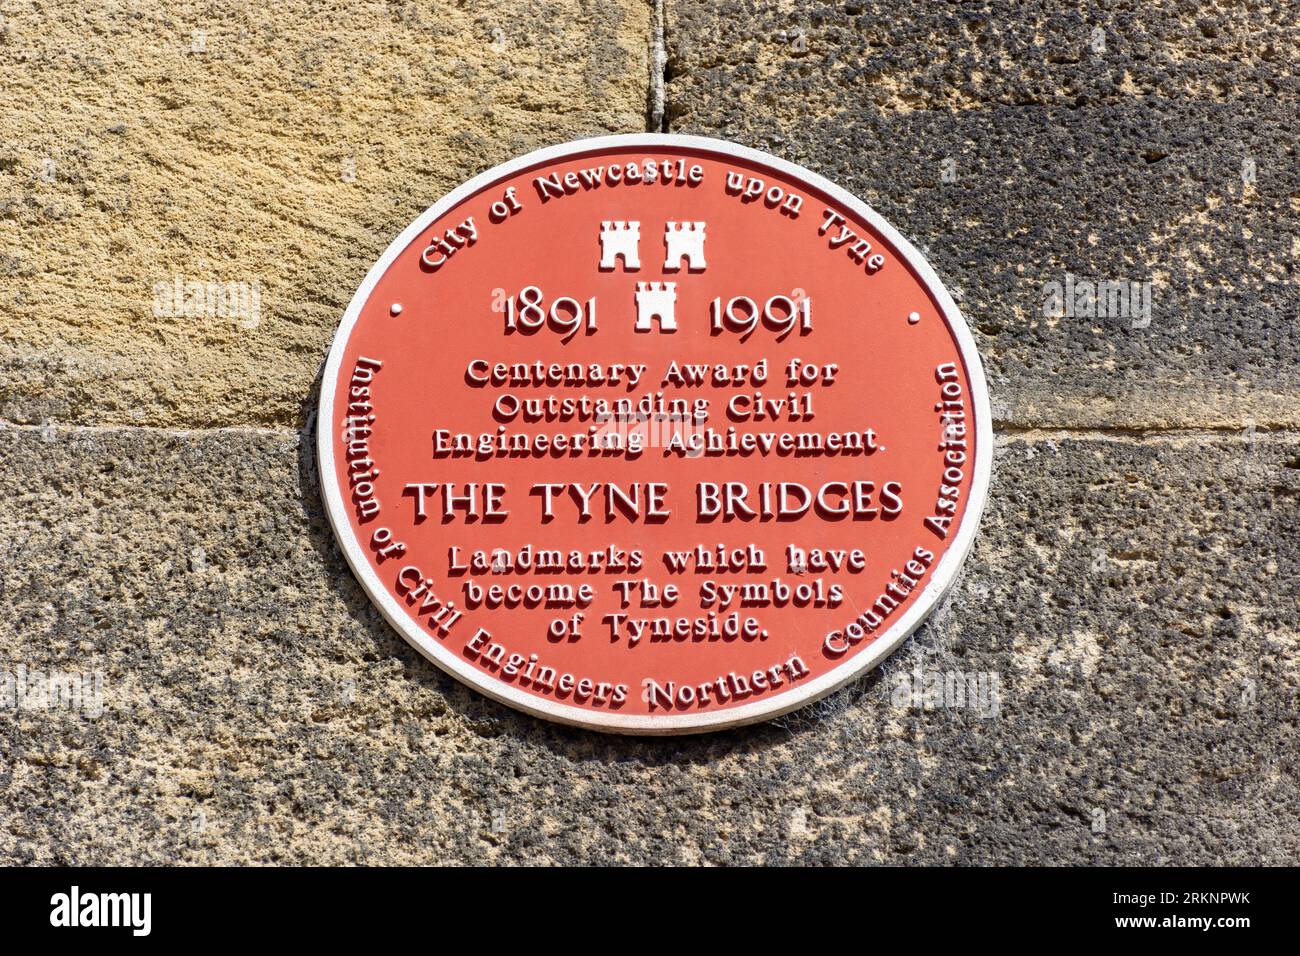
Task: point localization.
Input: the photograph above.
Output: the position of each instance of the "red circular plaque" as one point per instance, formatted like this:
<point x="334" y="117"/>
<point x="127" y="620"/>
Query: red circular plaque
<point x="653" y="434"/>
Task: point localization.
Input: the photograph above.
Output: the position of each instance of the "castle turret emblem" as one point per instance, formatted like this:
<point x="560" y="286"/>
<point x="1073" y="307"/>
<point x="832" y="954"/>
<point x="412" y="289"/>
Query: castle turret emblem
<point x="656" y="299"/>
<point x="620" y="239"/>
<point x="685" y="240"/>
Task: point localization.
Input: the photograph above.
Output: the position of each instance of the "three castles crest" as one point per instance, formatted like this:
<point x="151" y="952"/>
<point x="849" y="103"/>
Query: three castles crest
<point x="683" y="241"/>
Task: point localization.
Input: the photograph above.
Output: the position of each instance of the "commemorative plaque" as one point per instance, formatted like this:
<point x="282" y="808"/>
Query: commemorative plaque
<point x="653" y="434"/>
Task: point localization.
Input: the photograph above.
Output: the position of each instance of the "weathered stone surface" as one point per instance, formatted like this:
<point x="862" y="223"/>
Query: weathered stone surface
<point x="1135" y="600"/>
<point x="1013" y="150"/>
<point x="281" y="146"/>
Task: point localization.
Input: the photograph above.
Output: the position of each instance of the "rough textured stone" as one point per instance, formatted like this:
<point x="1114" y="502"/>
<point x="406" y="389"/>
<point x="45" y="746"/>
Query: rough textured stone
<point x="1013" y="152"/>
<point x="1133" y="597"/>
<point x="282" y="146"/>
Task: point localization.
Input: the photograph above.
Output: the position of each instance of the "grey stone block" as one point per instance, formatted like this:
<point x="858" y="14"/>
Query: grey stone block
<point x="1133" y="600"/>
<point x="1014" y="155"/>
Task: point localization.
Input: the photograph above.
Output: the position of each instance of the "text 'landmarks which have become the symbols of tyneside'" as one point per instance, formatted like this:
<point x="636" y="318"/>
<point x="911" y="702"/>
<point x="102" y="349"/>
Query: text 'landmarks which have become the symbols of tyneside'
<point x="653" y="434"/>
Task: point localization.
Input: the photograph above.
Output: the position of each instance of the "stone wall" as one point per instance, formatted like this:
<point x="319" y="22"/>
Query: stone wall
<point x="1133" y="589"/>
